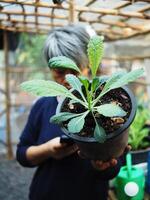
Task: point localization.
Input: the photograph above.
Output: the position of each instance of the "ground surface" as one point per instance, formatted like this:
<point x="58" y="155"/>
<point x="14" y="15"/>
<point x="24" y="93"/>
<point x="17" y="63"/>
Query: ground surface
<point x="14" y="180"/>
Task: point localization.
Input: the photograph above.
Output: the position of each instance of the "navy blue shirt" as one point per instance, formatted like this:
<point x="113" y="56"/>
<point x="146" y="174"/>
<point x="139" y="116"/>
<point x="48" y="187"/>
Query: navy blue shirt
<point x="70" y="178"/>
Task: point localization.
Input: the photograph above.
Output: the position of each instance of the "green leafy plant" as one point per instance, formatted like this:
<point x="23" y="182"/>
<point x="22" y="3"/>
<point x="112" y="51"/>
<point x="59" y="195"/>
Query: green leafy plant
<point x="86" y="88"/>
<point x="138" y="131"/>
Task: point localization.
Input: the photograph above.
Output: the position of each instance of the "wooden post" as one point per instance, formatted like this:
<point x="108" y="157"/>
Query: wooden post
<point x="147" y="70"/>
<point x="8" y="125"/>
<point x="71" y="11"/>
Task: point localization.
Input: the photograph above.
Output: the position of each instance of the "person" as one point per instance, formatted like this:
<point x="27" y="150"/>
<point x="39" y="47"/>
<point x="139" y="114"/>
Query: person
<point x="61" y="173"/>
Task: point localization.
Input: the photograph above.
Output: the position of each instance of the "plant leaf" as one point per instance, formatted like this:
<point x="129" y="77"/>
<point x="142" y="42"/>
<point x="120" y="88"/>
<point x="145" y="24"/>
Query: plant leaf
<point x="115" y="76"/>
<point x="75" y="84"/>
<point x="111" y="110"/>
<point x="95" y="53"/>
<point x="48" y="89"/>
<point x="63" y="62"/>
<point x="95" y="83"/>
<point x="125" y="79"/>
<point x="99" y="134"/>
<point x="103" y="79"/>
<point x="63" y="116"/>
<point x="76" y="124"/>
<point x="72" y="101"/>
<point x="84" y="80"/>
<point x="44" y="88"/>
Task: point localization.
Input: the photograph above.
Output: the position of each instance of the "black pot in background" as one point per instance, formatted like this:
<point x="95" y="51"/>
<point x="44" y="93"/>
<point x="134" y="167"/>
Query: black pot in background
<point x="140" y="156"/>
<point x="115" y="143"/>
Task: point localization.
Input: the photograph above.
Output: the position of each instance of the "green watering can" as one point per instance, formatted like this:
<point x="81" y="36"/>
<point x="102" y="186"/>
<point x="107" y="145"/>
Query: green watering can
<point x="130" y="182"/>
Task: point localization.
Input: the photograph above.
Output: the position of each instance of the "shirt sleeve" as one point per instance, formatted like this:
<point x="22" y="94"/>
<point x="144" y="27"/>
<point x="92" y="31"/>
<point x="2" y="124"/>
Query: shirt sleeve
<point x="30" y="133"/>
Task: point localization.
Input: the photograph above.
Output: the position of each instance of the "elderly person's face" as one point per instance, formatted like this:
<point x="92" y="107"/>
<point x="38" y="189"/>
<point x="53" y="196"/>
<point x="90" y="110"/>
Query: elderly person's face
<point x="59" y="76"/>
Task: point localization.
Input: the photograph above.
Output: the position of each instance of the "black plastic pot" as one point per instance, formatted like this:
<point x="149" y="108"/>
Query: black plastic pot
<point x="115" y="143"/>
<point x="140" y="156"/>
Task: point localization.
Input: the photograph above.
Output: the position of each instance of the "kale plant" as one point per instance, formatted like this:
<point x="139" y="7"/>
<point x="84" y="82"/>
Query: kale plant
<point x="138" y="130"/>
<point x="80" y="83"/>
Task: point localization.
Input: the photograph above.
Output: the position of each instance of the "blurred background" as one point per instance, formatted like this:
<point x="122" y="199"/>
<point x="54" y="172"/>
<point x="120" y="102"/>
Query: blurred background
<point x="23" y="29"/>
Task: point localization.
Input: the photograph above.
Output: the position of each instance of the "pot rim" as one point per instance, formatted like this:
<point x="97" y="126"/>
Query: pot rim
<point x="141" y="151"/>
<point x="111" y="135"/>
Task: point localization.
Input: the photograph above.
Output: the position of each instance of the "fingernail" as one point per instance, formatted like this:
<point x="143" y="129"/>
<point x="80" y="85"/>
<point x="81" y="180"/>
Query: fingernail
<point x="113" y="162"/>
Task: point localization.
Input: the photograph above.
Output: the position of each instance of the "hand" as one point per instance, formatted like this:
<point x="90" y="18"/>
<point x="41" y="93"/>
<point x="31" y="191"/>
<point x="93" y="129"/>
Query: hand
<point x="60" y="150"/>
<point x="101" y="165"/>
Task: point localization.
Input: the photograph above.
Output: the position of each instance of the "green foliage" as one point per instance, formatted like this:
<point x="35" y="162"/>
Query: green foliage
<point x="62" y="62"/>
<point x="115" y="77"/>
<point x="99" y="133"/>
<point x="47" y="89"/>
<point x="76" y="124"/>
<point x="111" y="110"/>
<point x="95" y="84"/>
<point x="50" y="88"/>
<point x="84" y="80"/>
<point x="118" y="80"/>
<point x="30" y="51"/>
<point x="75" y="83"/>
<point x="63" y="116"/>
<point x="137" y="131"/>
<point x="86" y="88"/>
<point x="95" y="53"/>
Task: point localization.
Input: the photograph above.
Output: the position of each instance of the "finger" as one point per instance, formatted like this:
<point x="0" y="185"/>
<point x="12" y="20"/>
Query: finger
<point x="81" y="155"/>
<point x="113" y="162"/>
<point x="105" y="166"/>
<point x="127" y="149"/>
<point x="99" y="162"/>
<point x="70" y="150"/>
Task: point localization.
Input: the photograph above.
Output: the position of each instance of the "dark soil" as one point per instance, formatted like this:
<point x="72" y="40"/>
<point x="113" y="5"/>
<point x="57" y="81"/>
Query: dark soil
<point x="118" y="96"/>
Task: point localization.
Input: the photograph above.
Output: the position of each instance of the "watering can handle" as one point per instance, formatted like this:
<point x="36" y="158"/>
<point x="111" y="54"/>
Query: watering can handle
<point x="129" y="164"/>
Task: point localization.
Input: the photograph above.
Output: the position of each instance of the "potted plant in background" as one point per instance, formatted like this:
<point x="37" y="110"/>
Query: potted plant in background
<point x="139" y="134"/>
<point x="95" y="113"/>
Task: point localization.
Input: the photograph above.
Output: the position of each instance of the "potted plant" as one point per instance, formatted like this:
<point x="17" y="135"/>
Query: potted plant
<point x="139" y="134"/>
<point x="95" y="113"/>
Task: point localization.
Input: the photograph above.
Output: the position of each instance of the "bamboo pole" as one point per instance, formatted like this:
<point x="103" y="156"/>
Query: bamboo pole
<point x="17" y="29"/>
<point x="147" y="69"/>
<point x="117" y="23"/>
<point x="36" y="17"/>
<point x="91" y="10"/>
<point x="71" y="11"/>
<point x="32" y="14"/>
<point x="110" y="11"/>
<point x="8" y="125"/>
<point x="39" y="4"/>
<point x="31" y="22"/>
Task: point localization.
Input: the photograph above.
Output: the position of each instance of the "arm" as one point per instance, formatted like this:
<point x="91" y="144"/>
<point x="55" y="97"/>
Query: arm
<point x="53" y="148"/>
<point x="29" y="154"/>
<point x="30" y="134"/>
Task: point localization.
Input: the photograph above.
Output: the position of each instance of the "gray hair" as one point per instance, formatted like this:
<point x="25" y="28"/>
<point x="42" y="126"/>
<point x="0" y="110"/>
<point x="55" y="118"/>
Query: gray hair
<point x="70" y="41"/>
